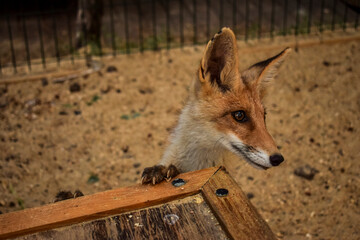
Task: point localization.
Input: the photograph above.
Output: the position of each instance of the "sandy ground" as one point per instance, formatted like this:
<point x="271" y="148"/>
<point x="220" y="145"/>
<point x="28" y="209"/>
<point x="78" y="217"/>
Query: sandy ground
<point x="102" y="136"/>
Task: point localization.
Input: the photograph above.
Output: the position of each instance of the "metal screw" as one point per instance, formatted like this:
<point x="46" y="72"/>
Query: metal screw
<point x="178" y="182"/>
<point x="222" y="192"/>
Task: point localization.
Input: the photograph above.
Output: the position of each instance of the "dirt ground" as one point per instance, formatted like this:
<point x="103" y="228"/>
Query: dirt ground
<point x="111" y="125"/>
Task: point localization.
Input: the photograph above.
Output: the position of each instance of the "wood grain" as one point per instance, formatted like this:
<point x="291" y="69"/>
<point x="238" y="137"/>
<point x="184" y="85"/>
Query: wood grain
<point x="188" y="218"/>
<point x="234" y="211"/>
<point x="99" y="205"/>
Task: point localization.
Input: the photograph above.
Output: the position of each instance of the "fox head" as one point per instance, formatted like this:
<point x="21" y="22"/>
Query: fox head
<point x="231" y="100"/>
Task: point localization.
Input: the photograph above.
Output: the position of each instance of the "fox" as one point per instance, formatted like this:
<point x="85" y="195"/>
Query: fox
<point x="224" y="113"/>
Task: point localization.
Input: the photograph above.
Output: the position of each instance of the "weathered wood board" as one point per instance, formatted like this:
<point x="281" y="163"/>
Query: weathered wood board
<point x="195" y="210"/>
<point x="188" y="218"/>
<point x="99" y="205"/>
<point x="235" y="211"/>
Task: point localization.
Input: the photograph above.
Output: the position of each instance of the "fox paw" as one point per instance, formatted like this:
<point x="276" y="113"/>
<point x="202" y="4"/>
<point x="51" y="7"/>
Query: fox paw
<point x="158" y="173"/>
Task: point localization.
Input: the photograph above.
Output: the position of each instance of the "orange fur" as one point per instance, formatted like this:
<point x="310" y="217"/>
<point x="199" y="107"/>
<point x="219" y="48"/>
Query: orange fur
<point x="207" y="128"/>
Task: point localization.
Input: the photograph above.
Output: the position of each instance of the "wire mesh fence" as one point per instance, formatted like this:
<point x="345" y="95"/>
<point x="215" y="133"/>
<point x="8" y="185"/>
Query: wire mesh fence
<point x="41" y="35"/>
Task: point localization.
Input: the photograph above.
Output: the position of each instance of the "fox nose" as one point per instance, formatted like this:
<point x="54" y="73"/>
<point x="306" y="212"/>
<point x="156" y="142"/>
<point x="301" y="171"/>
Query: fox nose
<point x="276" y="159"/>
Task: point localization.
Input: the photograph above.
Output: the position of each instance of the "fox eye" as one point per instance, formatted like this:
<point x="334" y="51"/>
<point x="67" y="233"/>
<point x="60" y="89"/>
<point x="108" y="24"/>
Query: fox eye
<point x="239" y="116"/>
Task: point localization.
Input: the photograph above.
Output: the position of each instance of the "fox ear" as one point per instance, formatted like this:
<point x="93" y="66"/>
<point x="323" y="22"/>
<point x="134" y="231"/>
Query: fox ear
<point x="260" y="74"/>
<point x="219" y="64"/>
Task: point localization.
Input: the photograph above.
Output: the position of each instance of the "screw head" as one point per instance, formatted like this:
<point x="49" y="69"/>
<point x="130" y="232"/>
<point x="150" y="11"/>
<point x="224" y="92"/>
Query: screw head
<point x="221" y="192"/>
<point x="178" y="182"/>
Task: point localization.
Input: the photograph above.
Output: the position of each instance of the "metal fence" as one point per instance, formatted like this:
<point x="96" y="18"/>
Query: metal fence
<point x="42" y="36"/>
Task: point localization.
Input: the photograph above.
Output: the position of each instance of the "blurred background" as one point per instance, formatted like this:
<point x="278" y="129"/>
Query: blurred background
<point x="90" y="91"/>
<point x="37" y="32"/>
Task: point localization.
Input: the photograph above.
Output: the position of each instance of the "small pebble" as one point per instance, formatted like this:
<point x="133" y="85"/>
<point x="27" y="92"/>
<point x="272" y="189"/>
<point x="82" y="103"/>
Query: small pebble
<point x="105" y="90"/>
<point x="250" y="195"/>
<point x="306" y="172"/>
<point x="125" y="149"/>
<point x="326" y="63"/>
<point x="44" y="82"/>
<point x="136" y="165"/>
<point x="75" y="87"/>
<point x="77" y="112"/>
<point x="111" y="69"/>
<point x="63" y="113"/>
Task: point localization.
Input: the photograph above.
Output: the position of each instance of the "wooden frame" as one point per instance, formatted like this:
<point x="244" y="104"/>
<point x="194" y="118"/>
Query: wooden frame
<point x="235" y="213"/>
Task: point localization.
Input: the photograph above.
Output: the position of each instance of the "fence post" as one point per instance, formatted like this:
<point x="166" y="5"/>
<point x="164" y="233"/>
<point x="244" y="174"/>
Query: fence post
<point x="234" y="15"/>
<point x="208" y="19"/>
<point x="260" y="18"/>
<point x="298" y="3"/>
<point x="273" y="9"/>
<point x="13" y="58"/>
<point x="310" y="15"/>
<point x="285" y="17"/>
<point x="194" y="21"/>
<point x="155" y="47"/>
<point x="167" y="9"/>
<point x="246" y="20"/>
<point x="345" y="17"/>
<point x="56" y="40"/>
<point x="126" y="22"/>
<point x="28" y="58"/>
<point x="221" y="14"/>
<point x="141" y="40"/>
<point x="112" y="28"/>
<point x="181" y="22"/>
<point x="41" y="42"/>
<point x="333" y="16"/>
<point x="82" y="29"/>
<point x="71" y="47"/>
<point x="322" y="16"/>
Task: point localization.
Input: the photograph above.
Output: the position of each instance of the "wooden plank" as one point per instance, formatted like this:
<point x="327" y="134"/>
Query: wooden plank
<point x="99" y="205"/>
<point x="66" y="75"/>
<point x="188" y="218"/>
<point x="234" y="211"/>
<point x="300" y="43"/>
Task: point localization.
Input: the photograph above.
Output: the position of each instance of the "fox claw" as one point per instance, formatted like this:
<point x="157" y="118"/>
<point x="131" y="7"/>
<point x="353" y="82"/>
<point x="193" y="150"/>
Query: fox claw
<point x="158" y="173"/>
<point x="172" y="172"/>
